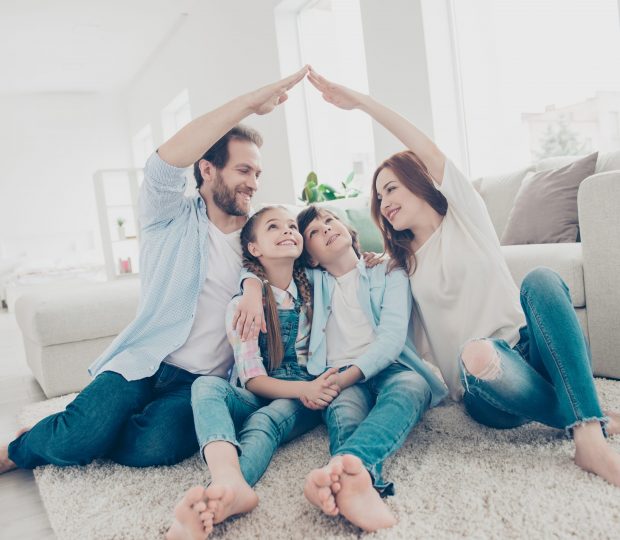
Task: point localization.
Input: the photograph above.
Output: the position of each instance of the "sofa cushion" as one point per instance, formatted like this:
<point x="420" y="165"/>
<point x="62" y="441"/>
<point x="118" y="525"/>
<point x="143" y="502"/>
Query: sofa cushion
<point x="89" y="311"/>
<point x="565" y="259"/>
<point x="498" y="192"/>
<point x="545" y="209"/>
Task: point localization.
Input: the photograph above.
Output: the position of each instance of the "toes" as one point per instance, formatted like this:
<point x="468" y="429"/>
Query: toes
<point x="336" y="487"/>
<point x="200" y="506"/>
<point x="324" y="494"/>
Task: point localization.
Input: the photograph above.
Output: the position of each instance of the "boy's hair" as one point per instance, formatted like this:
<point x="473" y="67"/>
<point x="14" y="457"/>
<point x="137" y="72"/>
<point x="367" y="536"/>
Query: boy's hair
<point x="251" y="263"/>
<point x="312" y="212"/>
<point x="218" y="154"/>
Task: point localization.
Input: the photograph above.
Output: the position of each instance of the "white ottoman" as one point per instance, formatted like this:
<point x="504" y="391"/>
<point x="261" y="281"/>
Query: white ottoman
<point x="65" y="329"/>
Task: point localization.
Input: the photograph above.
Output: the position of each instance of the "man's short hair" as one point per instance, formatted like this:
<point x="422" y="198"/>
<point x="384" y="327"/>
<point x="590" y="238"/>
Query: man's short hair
<point x="218" y="154"/>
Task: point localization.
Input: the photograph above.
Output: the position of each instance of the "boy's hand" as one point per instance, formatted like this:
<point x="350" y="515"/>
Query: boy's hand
<point x="320" y="392"/>
<point x="249" y="318"/>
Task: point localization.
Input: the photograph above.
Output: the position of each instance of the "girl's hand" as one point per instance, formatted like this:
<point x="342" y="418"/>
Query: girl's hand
<point x="266" y="99"/>
<point x="320" y="391"/>
<point x="372" y="259"/>
<point x="336" y="94"/>
<point x="310" y="404"/>
<point x="249" y="318"/>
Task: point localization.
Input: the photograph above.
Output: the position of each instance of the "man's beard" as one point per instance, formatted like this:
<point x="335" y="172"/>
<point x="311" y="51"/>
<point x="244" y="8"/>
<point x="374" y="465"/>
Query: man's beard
<point x="225" y="198"/>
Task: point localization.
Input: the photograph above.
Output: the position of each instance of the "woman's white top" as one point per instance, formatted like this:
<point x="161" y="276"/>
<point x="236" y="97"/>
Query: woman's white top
<point x="461" y="283"/>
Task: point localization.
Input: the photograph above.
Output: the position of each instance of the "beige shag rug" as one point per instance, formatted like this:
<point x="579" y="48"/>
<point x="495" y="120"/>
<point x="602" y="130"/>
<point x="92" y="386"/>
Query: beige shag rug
<point x="454" y="479"/>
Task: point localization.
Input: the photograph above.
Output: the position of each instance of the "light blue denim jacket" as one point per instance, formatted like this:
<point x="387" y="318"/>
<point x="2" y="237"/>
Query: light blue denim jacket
<point x="387" y="302"/>
<point x="173" y="268"/>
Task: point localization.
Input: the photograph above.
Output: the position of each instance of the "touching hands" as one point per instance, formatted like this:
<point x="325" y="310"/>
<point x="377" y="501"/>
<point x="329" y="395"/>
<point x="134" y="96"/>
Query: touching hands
<point x="266" y="99"/>
<point x="336" y="94"/>
<point x="320" y="392"/>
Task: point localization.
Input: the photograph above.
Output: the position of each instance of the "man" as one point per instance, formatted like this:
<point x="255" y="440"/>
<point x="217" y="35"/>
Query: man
<point x="137" y="410"/>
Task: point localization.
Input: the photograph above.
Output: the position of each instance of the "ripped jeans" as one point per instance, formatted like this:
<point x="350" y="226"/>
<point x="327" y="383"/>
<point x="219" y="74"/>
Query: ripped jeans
<point x="547" y="376"/>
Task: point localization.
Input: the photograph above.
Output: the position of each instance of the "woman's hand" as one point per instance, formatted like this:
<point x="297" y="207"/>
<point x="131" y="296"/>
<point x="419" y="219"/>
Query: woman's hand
<point x="319" y="393"/>
<point x="336" y="94"/>
<point x="372" y="259"/>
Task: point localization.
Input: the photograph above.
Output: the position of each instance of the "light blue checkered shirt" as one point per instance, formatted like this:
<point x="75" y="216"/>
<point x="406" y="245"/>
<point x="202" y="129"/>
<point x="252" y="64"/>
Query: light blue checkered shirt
<point x="173" y="268"/>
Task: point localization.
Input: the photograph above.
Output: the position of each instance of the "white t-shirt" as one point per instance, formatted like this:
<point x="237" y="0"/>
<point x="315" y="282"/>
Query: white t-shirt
<point x="462" y="284"/>
<point x="207" y="350"/>
<point x="348" y="331"/>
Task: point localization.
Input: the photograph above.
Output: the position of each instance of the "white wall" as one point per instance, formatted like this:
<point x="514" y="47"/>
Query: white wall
<point x="223" y="49"/>
<point x="50" y="146"/>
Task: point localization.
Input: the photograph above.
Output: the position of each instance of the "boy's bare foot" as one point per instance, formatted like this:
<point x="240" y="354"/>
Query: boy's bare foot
<point x="594" y="455"/>
<point x="358" y="500"/>
<point x="229" y="495"/>
<point x="7" y="464"/>
<point x="613" y="426"/>
<point x="322" y="485"/>
<point x="192" y="519"/>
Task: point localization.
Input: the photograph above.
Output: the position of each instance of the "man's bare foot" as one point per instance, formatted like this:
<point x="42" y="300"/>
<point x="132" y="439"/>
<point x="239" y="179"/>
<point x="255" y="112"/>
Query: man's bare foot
<point x="593" y="453"/>
<point x="613" y="426"/>
<point x="7" y="464"/>
<point x="192" y="519"/>
<point x="358" y="500"/>
<point x="229" y="495"/>
<point x="322" y="485"/>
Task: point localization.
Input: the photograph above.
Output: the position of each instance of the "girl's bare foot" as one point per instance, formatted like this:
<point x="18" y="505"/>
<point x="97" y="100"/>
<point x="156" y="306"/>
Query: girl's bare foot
<point x="192" y="519"/>
<point x="357" y="499"/>
<point x="322" y="485"/>
<point x="229" y="495"/>
<point x="593" y="453"/>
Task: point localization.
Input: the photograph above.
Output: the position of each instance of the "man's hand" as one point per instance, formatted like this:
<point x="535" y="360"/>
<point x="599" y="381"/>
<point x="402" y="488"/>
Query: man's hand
<point x="319" y="393"/>
<point x="336" y="94"/>
<point x="266" y="99"/>
<point x="249" y="318"/>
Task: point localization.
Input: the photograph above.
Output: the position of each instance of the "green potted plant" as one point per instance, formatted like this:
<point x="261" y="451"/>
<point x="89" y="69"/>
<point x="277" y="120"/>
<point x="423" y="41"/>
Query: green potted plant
<point x="314" y="192"/>
<point x="121" y="228"/>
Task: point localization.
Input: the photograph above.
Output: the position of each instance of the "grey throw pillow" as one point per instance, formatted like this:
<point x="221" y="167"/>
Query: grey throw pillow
<point x="545" y="208"/>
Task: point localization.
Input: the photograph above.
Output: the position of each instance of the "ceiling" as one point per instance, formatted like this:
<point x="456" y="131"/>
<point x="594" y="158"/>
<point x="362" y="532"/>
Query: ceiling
<point x="81" y="45"/>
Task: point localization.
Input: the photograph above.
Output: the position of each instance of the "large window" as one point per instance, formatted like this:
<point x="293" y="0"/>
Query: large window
<point x="537" y="79"/>
<point x="328" y="35"/>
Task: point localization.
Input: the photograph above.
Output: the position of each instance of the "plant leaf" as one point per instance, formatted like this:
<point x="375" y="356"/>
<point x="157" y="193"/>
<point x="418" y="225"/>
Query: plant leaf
<point x="349" y="179"/>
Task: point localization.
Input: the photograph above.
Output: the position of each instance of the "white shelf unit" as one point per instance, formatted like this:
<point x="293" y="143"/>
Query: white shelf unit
<point x="116" y="192"/>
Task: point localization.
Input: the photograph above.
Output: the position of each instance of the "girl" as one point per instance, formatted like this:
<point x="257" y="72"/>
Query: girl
<point x="513" y="356"/>
<point x="273" y="377"/>
<point x="360" y="326"/>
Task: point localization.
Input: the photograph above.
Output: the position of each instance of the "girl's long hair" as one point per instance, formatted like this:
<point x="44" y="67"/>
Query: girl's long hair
<point x="252" y="264"/>
<point x="414" y="175"/>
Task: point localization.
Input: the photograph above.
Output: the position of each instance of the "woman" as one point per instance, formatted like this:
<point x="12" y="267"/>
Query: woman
<point x="513" y="356"/>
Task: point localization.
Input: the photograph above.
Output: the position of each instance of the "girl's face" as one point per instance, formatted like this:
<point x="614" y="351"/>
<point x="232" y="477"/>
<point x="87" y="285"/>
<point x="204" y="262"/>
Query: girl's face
<point x="398" y="205"/>
<point x="326" y="239"/>
<point x="277" y="236"/>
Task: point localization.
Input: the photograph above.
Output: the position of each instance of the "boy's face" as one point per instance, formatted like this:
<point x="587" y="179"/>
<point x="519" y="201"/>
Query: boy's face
<point x="326" y="239"/>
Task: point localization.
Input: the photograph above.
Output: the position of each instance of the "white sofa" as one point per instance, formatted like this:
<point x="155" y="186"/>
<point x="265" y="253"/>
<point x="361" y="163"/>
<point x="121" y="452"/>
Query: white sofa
<point x="64" y="331"/>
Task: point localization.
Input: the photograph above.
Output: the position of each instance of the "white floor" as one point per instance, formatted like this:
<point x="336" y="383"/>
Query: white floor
<point x="22" y="515"/>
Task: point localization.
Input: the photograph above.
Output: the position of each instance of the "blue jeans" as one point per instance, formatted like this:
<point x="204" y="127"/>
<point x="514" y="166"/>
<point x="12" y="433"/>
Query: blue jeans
<point x="547" y="376"/>
<point x="372" y="419"/>
<point x="136" y="423"/>
<point x="221" y="410"/>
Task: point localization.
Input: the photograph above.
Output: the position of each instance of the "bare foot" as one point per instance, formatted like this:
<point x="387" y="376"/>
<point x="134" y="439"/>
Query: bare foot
<point x="7" y="464"/>
<point x="613" y="427"/>
<point x="593" y="453"/>
<point x="322" y="485"/>
<point x="192" y="519"/>
<point x="357" y="499"/>
<point x="229" y="495"/>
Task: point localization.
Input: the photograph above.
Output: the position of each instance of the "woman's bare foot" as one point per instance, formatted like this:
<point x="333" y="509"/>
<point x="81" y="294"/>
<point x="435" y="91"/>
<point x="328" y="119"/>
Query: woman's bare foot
<point x="7" y="464"/>
<point x="358" y="500"/>
<point x="593" y="453"/>
<point x="192" y="519"/>
<point x="322" y="485"/>
<point x="228" y="495"/>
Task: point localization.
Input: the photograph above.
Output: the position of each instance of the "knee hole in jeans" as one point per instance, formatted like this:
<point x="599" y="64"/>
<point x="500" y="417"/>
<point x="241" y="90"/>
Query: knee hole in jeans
<point x="481" y="360"/>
